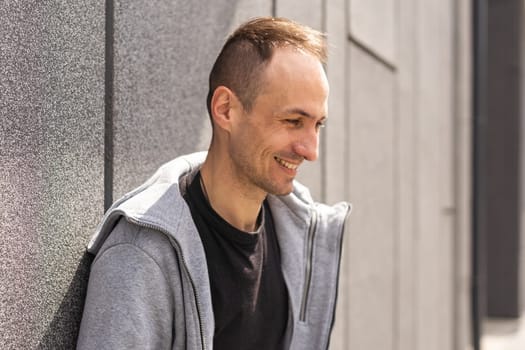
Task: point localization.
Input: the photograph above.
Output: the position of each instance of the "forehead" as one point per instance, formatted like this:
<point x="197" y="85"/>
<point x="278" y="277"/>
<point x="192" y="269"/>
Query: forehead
<point x="290" y="63"/>
<point x="295" y="79"/>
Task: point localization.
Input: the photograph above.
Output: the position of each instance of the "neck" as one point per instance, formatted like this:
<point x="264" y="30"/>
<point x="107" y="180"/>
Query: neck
<point x="229" y="196"/>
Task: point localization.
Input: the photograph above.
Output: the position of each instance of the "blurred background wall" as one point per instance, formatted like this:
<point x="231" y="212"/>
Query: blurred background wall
<point x="94" y="97"/>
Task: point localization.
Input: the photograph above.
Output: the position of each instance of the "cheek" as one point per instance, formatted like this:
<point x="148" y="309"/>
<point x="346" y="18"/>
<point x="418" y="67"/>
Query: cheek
<point x="263" y="139"/>
<point x="280" y="140"/>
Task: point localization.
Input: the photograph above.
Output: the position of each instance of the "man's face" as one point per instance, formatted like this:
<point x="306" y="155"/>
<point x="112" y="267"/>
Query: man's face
<point x="269" y="143"/>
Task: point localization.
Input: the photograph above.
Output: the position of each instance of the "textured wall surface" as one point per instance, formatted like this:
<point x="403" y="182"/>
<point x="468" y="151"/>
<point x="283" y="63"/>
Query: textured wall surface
<point x="51" y="166"/>
<point x="156" y="61"/>
<point x="52" y="137"/>
<point x="163" y="55"/>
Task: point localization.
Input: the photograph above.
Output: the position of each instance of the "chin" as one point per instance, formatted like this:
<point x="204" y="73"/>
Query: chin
<point x="286" y="192"/>
<point x="283" y="191"/>
<point x="277" y="188"/>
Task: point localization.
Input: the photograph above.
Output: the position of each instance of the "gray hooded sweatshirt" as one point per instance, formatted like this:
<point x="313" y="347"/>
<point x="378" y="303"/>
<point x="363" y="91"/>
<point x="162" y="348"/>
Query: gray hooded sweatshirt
<point x="149" y="286"/>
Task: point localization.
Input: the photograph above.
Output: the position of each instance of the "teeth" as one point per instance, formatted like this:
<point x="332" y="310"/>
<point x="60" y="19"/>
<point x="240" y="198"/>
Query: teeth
<point x="286" y="164"/>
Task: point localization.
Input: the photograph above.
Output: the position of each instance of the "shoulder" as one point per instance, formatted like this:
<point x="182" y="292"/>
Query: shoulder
<point x="130" y="240"/>
<point x="132" y="277"/>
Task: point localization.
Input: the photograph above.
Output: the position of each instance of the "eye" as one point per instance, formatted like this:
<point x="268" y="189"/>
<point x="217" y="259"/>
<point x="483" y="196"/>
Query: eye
<point x="294" y="122"/>
<point x="320" y="124"/>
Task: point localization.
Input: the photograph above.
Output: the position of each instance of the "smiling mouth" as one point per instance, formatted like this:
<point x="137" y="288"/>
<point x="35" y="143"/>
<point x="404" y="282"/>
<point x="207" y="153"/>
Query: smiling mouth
<point x="286" y="164"/>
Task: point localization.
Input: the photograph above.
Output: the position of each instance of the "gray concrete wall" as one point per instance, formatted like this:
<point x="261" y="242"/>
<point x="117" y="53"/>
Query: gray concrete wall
<point x="52" y="136"/>
<point x="51" y="165"/>
<point x="163" y="55"/>
<point x="405" y="112"/>
<point x="396" y="146"/>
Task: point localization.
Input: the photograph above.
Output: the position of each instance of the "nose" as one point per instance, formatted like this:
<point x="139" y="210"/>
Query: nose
<point x="307" y="146"/>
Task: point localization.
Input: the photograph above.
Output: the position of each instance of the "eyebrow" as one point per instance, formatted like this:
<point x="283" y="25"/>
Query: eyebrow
<point x="301" y="112"/>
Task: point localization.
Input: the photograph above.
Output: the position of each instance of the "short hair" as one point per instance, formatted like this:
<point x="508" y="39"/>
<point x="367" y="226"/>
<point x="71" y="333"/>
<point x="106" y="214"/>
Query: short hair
<point x="249" y="49"/>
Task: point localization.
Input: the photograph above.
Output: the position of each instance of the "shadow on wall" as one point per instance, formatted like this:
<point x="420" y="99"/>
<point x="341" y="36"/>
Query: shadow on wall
<point x="62" y="332"/>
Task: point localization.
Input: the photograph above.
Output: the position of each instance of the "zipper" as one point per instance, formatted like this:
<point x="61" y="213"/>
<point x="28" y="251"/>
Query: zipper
<point x="308" y="266"/>
<point x="184" y="265"/>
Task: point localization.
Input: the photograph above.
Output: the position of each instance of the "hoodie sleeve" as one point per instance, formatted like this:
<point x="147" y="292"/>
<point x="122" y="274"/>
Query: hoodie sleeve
<point x="128" y="303"/>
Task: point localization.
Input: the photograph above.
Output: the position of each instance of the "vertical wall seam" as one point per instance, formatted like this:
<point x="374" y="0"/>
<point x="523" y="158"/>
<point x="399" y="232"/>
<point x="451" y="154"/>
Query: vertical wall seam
<point x="108" y="104"/>
<point x="346" y="149"/>
<point x="274" y="8"/>
<point x="456" y="169"/>
<point x="479" y="45"/>
<point x="348" y="116"/>
<point x="416" y="336"/>
<point x="520" y="185"/>
<point x="413" y="282"/>
<point x="396" y="180"/>
<point x="323" y="142"/>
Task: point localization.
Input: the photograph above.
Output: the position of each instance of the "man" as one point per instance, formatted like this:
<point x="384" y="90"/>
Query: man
<point x="224" y="250"/>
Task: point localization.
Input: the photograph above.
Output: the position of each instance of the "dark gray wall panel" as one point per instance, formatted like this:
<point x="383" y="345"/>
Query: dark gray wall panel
<point x="51" y="163"/>
<point x="163" y="55"/>
<point x="504" y="117"/>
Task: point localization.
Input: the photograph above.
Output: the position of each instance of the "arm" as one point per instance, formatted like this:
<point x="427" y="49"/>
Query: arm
<point x="128" y="303"/>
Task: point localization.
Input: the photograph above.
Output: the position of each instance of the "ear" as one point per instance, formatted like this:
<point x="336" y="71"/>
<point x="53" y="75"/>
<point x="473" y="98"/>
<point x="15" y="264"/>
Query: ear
<point x="224" y="106"/>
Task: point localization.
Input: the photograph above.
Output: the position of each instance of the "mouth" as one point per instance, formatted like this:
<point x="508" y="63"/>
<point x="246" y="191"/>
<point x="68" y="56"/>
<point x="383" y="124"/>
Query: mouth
<point x="286" y="164"/>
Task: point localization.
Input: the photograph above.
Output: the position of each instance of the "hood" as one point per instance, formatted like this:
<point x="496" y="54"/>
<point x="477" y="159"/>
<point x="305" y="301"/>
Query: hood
<point x="158" y="202"/>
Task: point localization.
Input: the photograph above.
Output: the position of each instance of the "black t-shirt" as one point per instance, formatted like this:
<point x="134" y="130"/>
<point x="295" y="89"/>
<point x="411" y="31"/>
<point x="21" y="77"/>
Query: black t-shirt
<point x="249" y="297"/>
